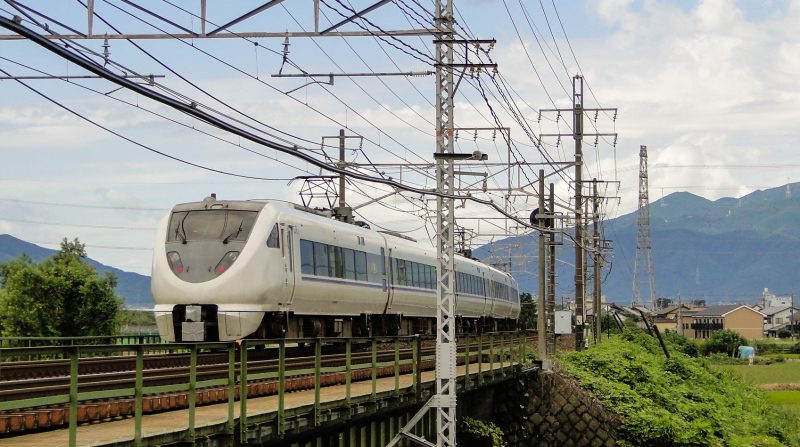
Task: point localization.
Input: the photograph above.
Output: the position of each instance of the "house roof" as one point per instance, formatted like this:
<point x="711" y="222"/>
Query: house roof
<point x="670" y="309"/>
<point x="776" y="309"/>
<point x="721" y="311"/>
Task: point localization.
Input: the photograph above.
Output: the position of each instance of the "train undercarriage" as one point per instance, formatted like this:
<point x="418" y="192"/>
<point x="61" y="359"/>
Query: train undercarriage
<point x="289" y="325"/>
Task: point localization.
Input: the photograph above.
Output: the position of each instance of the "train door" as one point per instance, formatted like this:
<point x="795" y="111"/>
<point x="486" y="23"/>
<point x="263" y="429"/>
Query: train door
<point x="485" y="293"/>
<point x="287" y="250"/>
<point x="388" y="277"/>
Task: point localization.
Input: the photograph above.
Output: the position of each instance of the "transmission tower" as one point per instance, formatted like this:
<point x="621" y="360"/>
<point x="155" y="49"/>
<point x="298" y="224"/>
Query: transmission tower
<point x="644" y="251"/>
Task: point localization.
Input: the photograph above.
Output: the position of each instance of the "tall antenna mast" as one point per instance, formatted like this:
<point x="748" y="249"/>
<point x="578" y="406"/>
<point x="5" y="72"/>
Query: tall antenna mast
<point x="643" y="247"/>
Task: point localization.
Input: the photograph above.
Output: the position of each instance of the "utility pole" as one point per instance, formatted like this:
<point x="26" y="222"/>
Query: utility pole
<point x="580" y="273"/>
<point x="598" y="266"/>
<point x="551" y="281"/>
<point x="578" y="110"/>
<point x="541" y="324"/>
<point x="643" y="247"/>
<point x="343" y="213"/>
<point x="445" y="398"/>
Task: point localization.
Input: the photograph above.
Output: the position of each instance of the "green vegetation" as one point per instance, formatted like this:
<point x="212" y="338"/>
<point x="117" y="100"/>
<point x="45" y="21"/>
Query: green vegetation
<point x="527" y="315"/>
<point x="780" y="372"/>
<point x="724" y="342"/>
<point x="62" y="296"/>
<point x="679" y="401"/>
<point x="136" y="321"/>
<point x="477" y="433"/>
<point x="787" y="402"/>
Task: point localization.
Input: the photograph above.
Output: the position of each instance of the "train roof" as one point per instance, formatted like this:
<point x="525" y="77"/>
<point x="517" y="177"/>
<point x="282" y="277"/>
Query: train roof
<point x="212" y="202"/>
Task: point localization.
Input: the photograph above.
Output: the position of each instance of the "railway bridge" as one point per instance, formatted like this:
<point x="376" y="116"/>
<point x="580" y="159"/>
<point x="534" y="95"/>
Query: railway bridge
<point x="302" y="392"/>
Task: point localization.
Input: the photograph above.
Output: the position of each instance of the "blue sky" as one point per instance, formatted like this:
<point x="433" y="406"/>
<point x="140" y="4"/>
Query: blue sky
<point x="709" y="86"/>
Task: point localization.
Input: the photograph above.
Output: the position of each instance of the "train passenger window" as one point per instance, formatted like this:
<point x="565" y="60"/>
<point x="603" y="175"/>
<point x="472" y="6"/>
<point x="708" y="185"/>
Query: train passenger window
<point x="361" y="266"/>
<point x="306" y="257"/>
<point x="273" y="239"/>
<point x="413" y="276"/>
<point x="320" y="259"/>
<point x="428" y="277"/>
<point x="335" y="264"/>
<point x="431" y="274"/>
<point x="401" y="272"/>
<point x="349" y="258"/>
<point x="420" y="279"/>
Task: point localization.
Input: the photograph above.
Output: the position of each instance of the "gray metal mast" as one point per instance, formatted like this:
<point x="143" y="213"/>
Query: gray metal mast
<point x="445" y="398"/>
<point x="444" y="401"/>
<point x="644" y="252"/>
<point x="580" y="273"/>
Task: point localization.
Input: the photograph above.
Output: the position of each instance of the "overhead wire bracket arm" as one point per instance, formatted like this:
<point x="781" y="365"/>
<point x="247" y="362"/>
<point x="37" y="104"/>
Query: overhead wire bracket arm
<point x="355" y="16"/>
<point x="263" y="7"/>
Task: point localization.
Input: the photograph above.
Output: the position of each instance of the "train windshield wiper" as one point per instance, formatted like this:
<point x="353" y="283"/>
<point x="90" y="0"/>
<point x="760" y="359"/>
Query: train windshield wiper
<point x="234" y="234"/>
<point x="180" y="228"/>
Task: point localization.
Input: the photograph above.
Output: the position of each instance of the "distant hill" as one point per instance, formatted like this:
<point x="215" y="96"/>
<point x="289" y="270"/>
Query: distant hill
<point x="724" y="250"/>
<point x="133" y="287"/>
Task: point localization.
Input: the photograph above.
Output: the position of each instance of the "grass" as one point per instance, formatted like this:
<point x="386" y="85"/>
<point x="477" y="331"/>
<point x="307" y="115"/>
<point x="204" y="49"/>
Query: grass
<point x="786" y="372"/>
<point x="786" y="356"/>
<point x="791" y="398"/>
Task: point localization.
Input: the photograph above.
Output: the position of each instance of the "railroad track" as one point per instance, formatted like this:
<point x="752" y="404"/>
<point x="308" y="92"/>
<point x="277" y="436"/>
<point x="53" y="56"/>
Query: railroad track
<point x="26" y="380"/>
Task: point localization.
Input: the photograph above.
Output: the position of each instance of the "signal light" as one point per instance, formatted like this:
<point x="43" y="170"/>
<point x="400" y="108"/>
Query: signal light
<point x="226" y="262"/>
<point x="175" y="263"/>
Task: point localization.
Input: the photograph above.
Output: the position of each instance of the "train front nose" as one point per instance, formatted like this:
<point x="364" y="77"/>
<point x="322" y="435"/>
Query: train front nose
<point x="201" y="246"/>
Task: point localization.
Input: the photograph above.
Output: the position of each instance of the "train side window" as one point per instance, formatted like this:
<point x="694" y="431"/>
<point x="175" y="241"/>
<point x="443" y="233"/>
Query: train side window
<point x="320" y="259"/>
<point x="401" y="272"/>
<point x="335" y="264"/>
<point x="306" y="257"/>
<point x="348" y="256"/>
<point x="273" y="239"/>
<point x="428" y="277"/>
<point x="361" y="266"/>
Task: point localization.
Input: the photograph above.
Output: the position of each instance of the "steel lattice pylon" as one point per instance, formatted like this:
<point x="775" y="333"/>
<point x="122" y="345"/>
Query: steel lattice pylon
<point x="643" y="247"/>
<point x="444" y="401"/>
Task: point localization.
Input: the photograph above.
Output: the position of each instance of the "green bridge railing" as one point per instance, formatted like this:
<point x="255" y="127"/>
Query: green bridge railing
<point x="499" y="350"/>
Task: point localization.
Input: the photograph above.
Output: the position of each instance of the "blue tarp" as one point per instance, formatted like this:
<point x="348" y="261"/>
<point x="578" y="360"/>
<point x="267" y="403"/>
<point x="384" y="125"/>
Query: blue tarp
<point x="746" y="351"/>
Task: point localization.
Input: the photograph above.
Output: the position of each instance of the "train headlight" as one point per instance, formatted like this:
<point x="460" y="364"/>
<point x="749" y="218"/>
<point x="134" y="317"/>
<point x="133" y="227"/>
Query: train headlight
<point x="175" y="263"/>
<point x="226" y="262"/>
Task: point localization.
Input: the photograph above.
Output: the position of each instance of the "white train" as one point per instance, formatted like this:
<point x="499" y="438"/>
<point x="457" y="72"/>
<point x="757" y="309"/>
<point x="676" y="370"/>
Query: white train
<point x="225" y="270"/>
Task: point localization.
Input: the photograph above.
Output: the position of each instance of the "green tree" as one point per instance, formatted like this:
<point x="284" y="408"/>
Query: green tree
<point x="62" y="296"/>
<point x="724" y="341"/>
<point x="527" y="313"/>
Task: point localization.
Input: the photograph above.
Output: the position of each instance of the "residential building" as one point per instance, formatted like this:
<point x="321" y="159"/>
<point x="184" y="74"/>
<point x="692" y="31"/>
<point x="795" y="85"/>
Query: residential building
<point x="770" y="300"/>
<point x="748" y="322"/>
<point x="777" y="318"/>
<point x="667" y="318"/>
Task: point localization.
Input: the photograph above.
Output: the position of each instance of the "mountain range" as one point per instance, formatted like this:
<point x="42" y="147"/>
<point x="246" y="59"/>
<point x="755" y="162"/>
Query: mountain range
<point x="132" y="287"/>
<point x="726" y="250"/>
<point x="723" y="251"/>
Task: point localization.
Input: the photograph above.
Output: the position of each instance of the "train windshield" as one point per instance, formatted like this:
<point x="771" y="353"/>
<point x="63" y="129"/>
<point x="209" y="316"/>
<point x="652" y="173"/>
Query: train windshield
<point x="211" y="225"/>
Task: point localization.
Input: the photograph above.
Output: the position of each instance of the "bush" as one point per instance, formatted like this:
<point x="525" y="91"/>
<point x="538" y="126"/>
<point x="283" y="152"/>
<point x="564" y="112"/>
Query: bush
<point x="766" y="347"/>
<point x="678" y="401"/>
<point x="796" y="348"/>
<point x="784" y="334"/>
<point x="683" y="344"/>
<point x="724" y="341"/>
<point x="474" y="432"/>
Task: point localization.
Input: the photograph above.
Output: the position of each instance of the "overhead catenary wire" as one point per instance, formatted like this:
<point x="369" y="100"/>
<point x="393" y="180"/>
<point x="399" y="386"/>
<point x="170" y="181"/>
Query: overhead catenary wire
<point x="252" y="77"/>
<point x="140" y="107"/>
<point x="214" y="121"/>
<point x="130" y="140"/>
